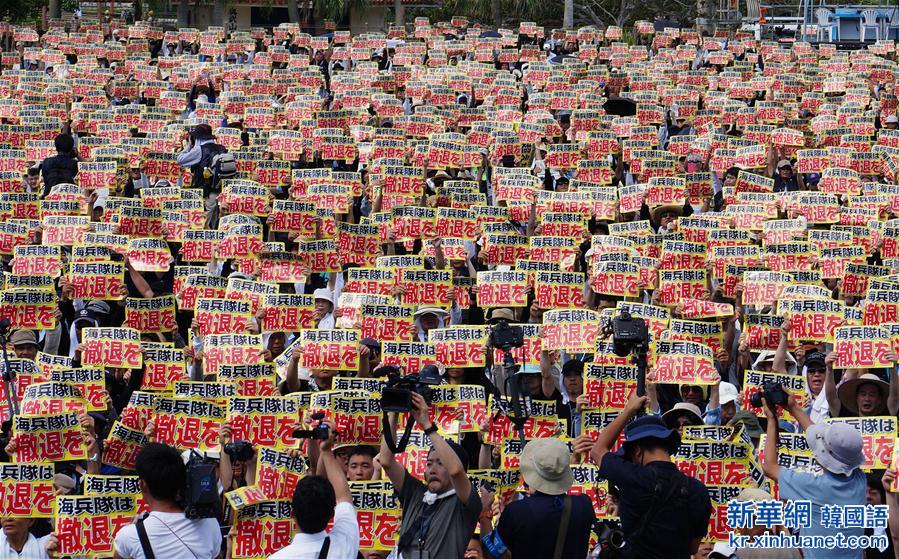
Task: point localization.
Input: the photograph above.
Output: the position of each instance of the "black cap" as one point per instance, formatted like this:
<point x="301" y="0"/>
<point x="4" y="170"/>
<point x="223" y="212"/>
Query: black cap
<point x="573" y="367"/>
<point x="815" y="357"/>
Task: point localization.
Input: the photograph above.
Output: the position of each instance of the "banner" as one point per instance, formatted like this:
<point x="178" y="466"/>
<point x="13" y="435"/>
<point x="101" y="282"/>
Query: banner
<point x="87" y="524"/>
<point x="609" y="386"/>
<point x="32" y="309"/>
<point x="502" y="289"/>
<point x="188" y="423"/>
<point x="231" y="349"/>
<point x="150" y="315"/>
<point x="262" y="529"/>
<point x="330" y="349"/>
<point x="90" y="383"/>
<point x="54" y="438"/>
<point x="222" y="316"/>
<point x="559" y="290"/>
<point x="879" y="436"/>
<point x="121" y="446"/>
<point x="112" y="347"/>
<point x="861" y="347"/>
<point x="264" y="422"/>
<point x="26" y="490"/>
<point x="460" y="346"/>
<point x="574" y="330"/>
<point x="277" y="472"/>
<point x="387" y="322"/>
<point x="684" y="363"/>
<point x="755" y="380"/>
<point x="162" y="367"/>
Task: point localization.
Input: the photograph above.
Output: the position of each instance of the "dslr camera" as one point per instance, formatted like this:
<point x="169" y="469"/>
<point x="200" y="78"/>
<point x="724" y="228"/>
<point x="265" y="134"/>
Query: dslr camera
<point x="774" y="394"/>
<point x="239" y="451"/>
<point x="505" y="337"/>
<point x="628" y="333"/>
<point x="397" y="394"/>
<point x="317" y="433"/>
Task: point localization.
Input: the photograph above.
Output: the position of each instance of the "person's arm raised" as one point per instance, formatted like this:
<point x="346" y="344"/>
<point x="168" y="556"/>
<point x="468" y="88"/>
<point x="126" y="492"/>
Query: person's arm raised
<point x="394" y="470"/>
<point x="457" y="473"/>
<point x="333" y="469"/>
<point x="609" y="435"/>
<point x="830" y="386"/>
<point x="770" y="465"/>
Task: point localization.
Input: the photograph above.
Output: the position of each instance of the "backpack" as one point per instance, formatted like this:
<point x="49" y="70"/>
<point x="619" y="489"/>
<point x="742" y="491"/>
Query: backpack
<point x="199" y="179"/>
<point x="223" y="166"/>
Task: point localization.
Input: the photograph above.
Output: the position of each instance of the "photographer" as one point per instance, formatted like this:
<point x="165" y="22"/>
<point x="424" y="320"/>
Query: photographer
<point x="438" y="517"/>
<point x="316" y="500"/>
<point x="664" y="514"/>
<point x="838" y="448"/>
<point x="548" y="522"/>
<point x="169" y="533"/>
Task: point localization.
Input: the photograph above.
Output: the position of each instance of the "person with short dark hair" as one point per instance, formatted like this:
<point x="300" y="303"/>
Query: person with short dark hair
<point x="62" y="167"/>
<point x="316" y="500"/>
<point x="360" y="466"/>
<point x="162" y="475"/>
<point x="664" y="513"/>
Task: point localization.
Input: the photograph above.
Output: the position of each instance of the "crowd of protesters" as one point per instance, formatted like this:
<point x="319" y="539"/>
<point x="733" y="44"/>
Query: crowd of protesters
<point x="610" y="172"/>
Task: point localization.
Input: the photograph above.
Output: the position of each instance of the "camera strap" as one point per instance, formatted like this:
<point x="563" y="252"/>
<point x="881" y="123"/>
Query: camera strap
<point x="398" y="446"/>
<point x="144" y="540"/>
<point x="563" y="528"/>
<point x="325" y="547"/>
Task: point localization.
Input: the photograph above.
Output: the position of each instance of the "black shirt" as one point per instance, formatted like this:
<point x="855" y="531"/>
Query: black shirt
<point x="674" y="524"/>
<point x="529" y="527"/>
<point x="58" y="169"/>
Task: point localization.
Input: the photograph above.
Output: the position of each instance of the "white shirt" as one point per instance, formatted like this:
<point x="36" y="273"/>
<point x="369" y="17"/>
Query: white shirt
<point x="33" y="548"/>
<point x="172" y="536"/>
<point x="344" y="538"/>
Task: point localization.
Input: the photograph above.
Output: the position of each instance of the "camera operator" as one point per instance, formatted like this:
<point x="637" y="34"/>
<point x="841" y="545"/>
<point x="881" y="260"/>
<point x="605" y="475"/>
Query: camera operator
<point x="438" y="518"/>
<point x="664" y="514"/>
<point x="838" y="448"/>
<point x="169" y="533"/>
<point x="548" y="523"/>
<point x="237" y="467"/>
<point x="315" y="500"/>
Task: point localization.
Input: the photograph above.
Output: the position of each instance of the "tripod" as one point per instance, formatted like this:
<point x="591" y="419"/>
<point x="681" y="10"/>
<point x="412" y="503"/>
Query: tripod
<point x="521" y="400"/>
<point x="9" y="375"/>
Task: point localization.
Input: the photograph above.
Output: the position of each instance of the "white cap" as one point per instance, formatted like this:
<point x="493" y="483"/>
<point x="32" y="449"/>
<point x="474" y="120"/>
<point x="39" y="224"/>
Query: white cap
<point x="892" y="119"/>
<point x="323" y="293"/>
<point x="727" y="393"/>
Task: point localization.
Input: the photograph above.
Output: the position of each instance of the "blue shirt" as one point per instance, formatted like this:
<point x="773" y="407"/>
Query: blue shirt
<point x="825" y="489"/>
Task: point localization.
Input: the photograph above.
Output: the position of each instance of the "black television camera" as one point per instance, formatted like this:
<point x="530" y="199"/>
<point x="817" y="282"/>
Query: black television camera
<point x="774" y="395"/>
<point x="612" y="544"/>
<point x="317" y="433"/>
<point x="201" y="496"/>
<point x="505" y="337"/>
<point x="397" y="394"/>
<point x="628" y="333"/>
<point x="241" y="451"/>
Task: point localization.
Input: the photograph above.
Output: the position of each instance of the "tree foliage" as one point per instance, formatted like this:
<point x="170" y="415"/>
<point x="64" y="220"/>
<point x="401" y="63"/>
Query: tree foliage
<point x="20" y="10"/>
<point x="512" y="12"/>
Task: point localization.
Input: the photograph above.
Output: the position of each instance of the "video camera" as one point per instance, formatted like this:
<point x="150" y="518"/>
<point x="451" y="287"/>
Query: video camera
<point x="317" y="433"/>
<point x="397" y="395"/>
<point x="201" y="496"/>
<point x="628" y="333"/>
<point x="774" y="395"/>
<point x="505" y="337"/>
